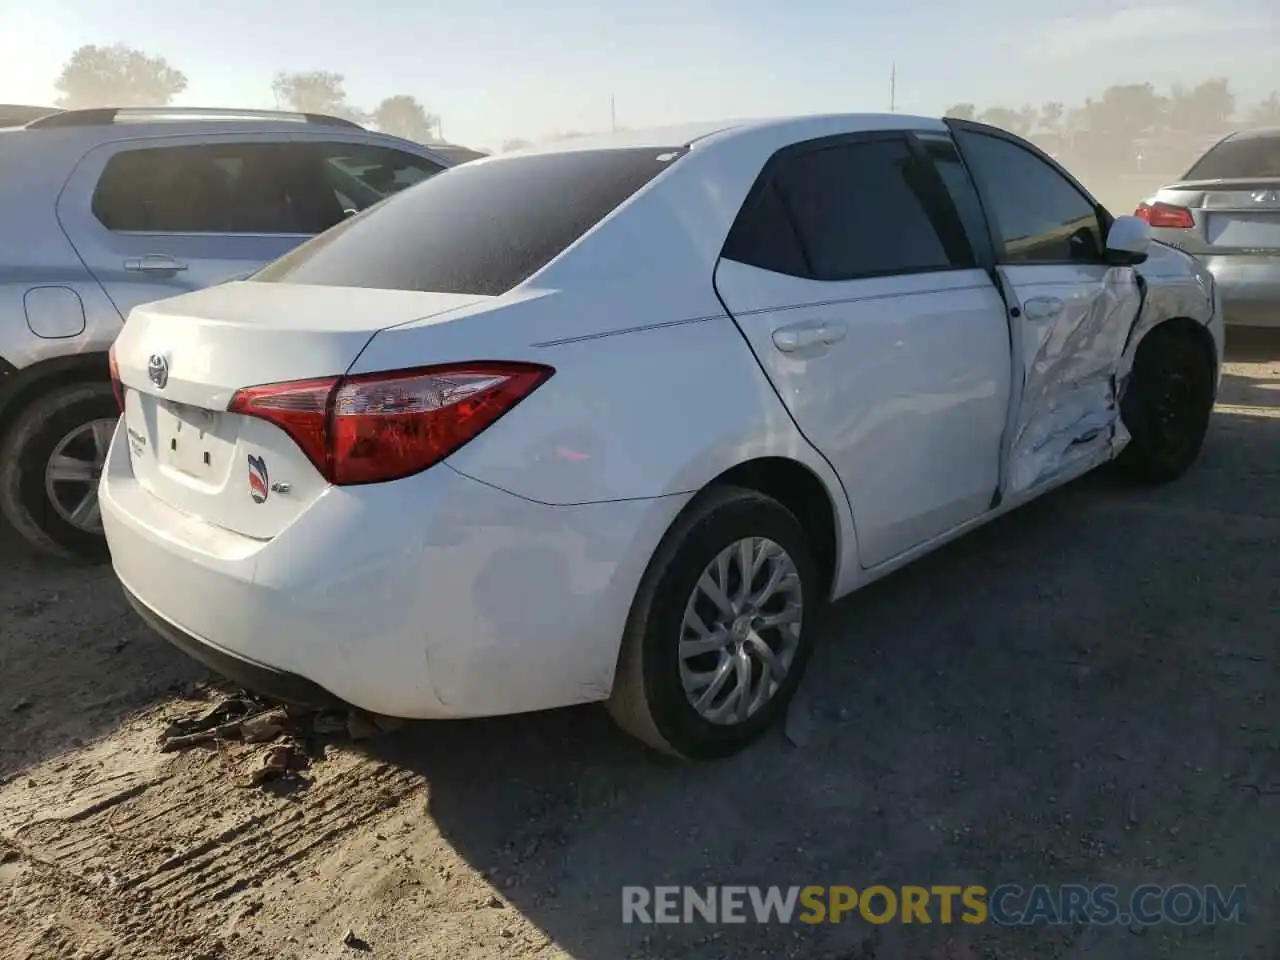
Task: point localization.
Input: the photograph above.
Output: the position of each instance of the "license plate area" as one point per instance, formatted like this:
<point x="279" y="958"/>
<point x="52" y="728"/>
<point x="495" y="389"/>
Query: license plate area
<point x="1247" y="230"/>
<point x="192" y="441"/>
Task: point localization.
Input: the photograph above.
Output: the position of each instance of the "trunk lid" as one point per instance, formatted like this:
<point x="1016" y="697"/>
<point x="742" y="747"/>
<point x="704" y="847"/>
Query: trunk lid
<point x="181" y="361"/>
<point x="1232" y="216"/>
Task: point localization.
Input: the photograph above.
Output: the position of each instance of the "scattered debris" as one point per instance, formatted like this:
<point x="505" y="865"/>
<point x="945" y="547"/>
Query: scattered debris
<point x="264" y="727"/>
<point x="361" y="726"/>
<point x="353" y="942"/>
<point x="248" y="720"/>
<point x="225" y="713"/>
<point x="328" y="723"/>
<point x="278" y="762"/>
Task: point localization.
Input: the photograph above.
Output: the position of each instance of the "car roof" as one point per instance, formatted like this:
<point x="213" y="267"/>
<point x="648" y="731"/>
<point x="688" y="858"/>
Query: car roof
<point x="688" y="134"/>
<point x="85" y="129"/>
<point x="1256" y="133"/>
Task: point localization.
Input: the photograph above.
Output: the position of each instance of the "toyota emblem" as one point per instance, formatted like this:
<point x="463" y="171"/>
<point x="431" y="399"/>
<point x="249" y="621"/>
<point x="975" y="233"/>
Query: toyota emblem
<point x="158" y="370"/>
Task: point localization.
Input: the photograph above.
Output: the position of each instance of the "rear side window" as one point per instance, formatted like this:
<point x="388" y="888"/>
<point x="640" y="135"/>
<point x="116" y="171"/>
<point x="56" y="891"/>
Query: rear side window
<point x="853" y="210"/>
<point x="261" y="188"/>
<point x="959" y="185"/>
<point x="764" y="236"/>
<point x="1242" y="158"/>
<point x="481" y="228"/>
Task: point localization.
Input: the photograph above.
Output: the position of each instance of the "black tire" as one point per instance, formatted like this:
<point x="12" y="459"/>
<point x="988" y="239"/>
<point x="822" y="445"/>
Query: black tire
<point x="648" y="699"/>
<point x="1167" y="405"/>
<point x="25" y="452"/>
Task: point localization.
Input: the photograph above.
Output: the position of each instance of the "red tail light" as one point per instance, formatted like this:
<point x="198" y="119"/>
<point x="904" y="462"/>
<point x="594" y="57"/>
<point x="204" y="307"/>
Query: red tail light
<point x="116" y="386"/>
<point x="383" y="426"/>
<point x="1165" y="215"/>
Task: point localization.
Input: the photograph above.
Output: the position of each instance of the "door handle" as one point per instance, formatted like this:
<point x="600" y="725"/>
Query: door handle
<point x="154" y="263"/>
<point x="811" y="333"/>
<point x="1042" y="308"/>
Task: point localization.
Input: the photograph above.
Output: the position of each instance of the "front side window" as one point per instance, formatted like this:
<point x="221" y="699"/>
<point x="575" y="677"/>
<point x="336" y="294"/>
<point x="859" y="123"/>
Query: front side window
<point x="259" y="188"/>
<point x="848" y="211"/>
<point x="1040" y="215"/>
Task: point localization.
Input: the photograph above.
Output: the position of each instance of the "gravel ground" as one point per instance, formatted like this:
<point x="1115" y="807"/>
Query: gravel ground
<point x="1085" y="691"/>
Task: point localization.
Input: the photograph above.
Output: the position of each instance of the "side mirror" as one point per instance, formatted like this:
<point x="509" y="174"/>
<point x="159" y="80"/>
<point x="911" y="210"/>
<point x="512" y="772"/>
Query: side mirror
<point x="1127" y="241"/>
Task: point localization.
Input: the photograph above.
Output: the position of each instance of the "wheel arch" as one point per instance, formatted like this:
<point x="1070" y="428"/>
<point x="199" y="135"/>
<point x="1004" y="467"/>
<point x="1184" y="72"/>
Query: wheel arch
<point x="23" y="387"/>
<point x="1194" y="329"/>
<point x="800" y="489"/>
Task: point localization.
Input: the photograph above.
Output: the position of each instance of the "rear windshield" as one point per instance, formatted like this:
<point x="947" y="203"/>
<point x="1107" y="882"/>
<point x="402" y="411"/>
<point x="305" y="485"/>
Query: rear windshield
<point x="1239" y="159"/>
<point x="481" y="228"/>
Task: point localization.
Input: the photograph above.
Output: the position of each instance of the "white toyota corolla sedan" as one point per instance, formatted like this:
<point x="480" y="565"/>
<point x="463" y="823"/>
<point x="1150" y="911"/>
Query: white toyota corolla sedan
<point x="614" y="420"/>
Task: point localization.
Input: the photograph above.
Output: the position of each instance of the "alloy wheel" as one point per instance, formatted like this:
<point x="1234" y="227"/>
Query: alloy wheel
<point x="72" y="473"/>
<point x="741" y="630"/>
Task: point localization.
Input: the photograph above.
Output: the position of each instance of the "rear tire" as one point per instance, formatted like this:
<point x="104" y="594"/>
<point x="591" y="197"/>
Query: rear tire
<point x="760" y="640"/>
<point x="55" y="510"/>
<point x="1166" y="407"/>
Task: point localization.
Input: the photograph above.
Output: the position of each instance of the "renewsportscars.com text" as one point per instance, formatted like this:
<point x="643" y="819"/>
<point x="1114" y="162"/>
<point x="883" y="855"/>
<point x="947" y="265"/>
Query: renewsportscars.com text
<point x="1006" y="905"/>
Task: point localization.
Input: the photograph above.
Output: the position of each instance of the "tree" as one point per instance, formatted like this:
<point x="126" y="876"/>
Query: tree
<point x="1028" y="120"/>
<point x="316" y="91"/>
<point x="117" y="76"/>
<point x="403" y="116"/>
<point x="1267" y="113"/>
<point x="515" y="143"/>
<point x="1126" y="110"/>
<point x="1004" y="118"/>
<point x="1051" y="115"/>
<point x="1205" y="109"/>
<point x="961" y="111"/>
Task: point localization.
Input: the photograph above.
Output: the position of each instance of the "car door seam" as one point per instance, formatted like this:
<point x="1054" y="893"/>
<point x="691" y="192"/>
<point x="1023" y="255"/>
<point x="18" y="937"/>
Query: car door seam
<point x="746" y="342"/>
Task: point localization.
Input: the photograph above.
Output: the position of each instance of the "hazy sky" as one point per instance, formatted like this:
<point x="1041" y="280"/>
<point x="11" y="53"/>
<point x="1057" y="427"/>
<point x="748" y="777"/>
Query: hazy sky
<point x="496" y="69"/>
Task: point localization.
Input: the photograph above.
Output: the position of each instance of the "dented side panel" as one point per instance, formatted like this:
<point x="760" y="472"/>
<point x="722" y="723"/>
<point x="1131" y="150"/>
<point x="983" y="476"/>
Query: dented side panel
<point x="1074" y="336"/>
<point x="1068" y="339"/>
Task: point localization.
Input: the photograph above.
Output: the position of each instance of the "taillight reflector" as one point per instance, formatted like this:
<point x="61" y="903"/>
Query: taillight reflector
<point x="1160" y="214"/>
<point x="116" y="386"/>
<point x="372" y="428"/>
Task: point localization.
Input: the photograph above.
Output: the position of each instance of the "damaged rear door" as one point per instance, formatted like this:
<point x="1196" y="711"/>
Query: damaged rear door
<point x="1070" y="311"/>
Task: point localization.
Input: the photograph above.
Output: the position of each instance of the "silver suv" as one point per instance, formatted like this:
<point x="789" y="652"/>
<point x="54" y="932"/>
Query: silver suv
<point x="102" y="210"/>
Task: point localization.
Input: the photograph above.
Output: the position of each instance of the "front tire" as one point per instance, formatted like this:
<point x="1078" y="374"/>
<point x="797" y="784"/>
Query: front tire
<point x="50" y="462"/>
<point x="1167" y="406"/>
<point x="721" y="629"/>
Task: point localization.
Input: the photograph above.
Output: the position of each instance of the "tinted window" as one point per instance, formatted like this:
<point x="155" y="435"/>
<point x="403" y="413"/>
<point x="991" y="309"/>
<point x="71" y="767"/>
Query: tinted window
<point x="481" y="228"/>
<point x="865" y="209"/>
<point x="1239" y="159"/>
<point x="764" y="236"/>
<point x="295" y="188"/>
<point x="959" y="186"/>
<point x="1040" y="214"/>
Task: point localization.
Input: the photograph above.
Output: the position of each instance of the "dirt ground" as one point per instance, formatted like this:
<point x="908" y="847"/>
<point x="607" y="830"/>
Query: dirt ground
<point x="1085" y="691"/>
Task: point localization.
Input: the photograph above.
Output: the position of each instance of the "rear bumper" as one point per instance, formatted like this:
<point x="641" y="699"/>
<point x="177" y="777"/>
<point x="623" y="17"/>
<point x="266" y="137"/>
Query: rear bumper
<point x="1250" y="288"/>
<point x="433" y="596"/>
<point x="288" y="687"/>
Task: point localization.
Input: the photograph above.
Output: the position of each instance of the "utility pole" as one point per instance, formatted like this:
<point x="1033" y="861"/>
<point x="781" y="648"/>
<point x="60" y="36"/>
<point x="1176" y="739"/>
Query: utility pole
<point x="613" y="113"/>
<point x="893" y="88"/>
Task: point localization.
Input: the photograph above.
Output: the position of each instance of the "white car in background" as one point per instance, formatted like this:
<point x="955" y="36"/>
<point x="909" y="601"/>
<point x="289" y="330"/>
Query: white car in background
<point x="615" y="419"/>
